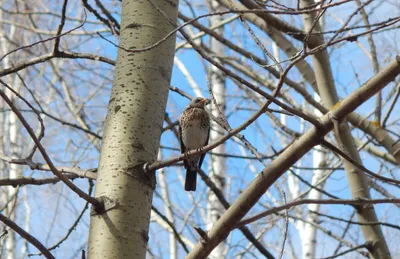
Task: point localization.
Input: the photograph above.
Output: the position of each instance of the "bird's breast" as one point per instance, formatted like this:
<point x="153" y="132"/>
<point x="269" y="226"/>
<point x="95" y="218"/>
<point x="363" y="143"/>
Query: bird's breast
<point x="194" y="135"/>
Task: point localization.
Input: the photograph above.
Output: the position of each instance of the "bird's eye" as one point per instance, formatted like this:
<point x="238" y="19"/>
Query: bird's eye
<point x="197" y="100"/>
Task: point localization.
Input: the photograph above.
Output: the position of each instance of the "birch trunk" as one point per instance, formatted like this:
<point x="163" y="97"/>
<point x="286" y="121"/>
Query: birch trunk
<point x="309" y="237"/>
<point x="357" y="180"/>
<point x="217" y="163"/>
<point x="132" y="131"/>
<point x="173" y="247"/>
<point x="10" y="131"/>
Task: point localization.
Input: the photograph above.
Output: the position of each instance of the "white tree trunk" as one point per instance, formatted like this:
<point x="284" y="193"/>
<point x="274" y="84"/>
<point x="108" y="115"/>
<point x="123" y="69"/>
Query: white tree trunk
<point x="358" y="182"/>
<point x="217" y="164"/>
<point x="10" y="143"/>
<point x="309" y="234"/>
<point x="13" y="172"/>
<point x="132" y="131"/>
<point x="162" y="181"/>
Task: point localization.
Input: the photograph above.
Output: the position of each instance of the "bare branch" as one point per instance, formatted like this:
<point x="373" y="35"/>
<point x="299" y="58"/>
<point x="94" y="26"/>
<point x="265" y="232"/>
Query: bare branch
<point x="31" y="239"/>
<point x="63" y="178"/>
<point x="270" y="174"/>
<point x="358" y="202"/>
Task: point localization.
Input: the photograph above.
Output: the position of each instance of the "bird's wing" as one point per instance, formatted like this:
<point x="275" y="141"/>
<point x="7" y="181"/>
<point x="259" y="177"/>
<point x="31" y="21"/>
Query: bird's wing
<point x="204" y="154"/>
<point x="183" y="149"/>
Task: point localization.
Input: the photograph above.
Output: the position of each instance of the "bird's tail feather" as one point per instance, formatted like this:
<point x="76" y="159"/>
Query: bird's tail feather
<point x="191" y="179"/>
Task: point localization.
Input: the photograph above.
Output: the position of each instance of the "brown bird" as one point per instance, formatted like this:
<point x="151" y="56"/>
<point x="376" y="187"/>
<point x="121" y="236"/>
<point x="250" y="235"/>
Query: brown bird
<point x="194" y="130"/>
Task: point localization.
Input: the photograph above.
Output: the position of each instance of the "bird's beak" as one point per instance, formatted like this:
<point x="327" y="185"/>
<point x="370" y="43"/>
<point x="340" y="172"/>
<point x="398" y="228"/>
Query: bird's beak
<point x="206" y="101"/>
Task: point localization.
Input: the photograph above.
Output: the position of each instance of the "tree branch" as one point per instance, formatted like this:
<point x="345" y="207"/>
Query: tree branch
<point x="28" y="237"/>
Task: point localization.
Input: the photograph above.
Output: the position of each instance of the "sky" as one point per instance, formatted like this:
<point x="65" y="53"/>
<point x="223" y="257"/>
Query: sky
<point x="350" y="67"/>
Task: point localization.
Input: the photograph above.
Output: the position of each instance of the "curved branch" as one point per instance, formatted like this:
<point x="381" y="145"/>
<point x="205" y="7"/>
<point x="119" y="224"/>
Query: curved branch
<point x="46" y="157"/>
<point x="28" y="237"/>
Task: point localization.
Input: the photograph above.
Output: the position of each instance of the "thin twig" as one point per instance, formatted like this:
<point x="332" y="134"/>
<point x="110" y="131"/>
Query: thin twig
<point x="60" y="27"/>
<point x="245" y="231"/>
<point x="394" y="226"/>
<point x="73" y="227"/>
<point x="46" y="157"/>
<point x="355" y="202"/>
<point x="45" y="40"/>
<point x="358" y="165"/>
<point x="365" y="245"/>
<point x="28" y="237"/>
<point x="171" y="225"/>
<point x="41" y="132"/>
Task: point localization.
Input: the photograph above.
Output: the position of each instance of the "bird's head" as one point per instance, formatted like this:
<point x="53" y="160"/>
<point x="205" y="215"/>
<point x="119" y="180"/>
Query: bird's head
<point x="198" y="102"/>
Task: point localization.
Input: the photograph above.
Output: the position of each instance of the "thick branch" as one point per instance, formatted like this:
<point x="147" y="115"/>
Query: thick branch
<point x="291" y="155"/>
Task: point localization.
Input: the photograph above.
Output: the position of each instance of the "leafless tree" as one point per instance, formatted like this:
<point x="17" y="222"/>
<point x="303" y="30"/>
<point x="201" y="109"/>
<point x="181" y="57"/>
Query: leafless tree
<point x="304" y="150"/>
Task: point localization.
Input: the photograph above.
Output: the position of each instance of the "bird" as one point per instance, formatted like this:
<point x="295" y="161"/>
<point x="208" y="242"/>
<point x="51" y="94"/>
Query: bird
<point x="194" y="132"/>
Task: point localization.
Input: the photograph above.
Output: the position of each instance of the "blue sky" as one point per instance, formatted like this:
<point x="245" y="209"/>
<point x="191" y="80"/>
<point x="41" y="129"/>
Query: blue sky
<point x="349" y="63"/>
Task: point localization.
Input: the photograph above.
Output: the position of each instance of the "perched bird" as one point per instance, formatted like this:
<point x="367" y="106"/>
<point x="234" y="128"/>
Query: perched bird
<point x="194" y="130"/>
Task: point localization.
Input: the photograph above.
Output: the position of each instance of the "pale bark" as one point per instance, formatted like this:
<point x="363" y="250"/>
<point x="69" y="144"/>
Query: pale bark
<point x="284" y="44"/>
<point x="261" y="21"/>
<point x="132" y="131"/>
<point x="173" y="252"/>
<point x="10" y="139"/>
<point x="14" y="171"/>
<point x="195" y="87"/>
<point x="24" y="248"/>
<point x="309" y="235"/>
<point x="217" y="164"/>
<point x="374" y="59"/>
<point x="72" y="89"/>
<point x="357" y="180"/>
<point x="288" y="157"/>
<point x="293" y="182"/>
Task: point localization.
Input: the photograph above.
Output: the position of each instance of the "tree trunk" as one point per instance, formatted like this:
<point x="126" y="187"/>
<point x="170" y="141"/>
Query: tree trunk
<point x="217" y="163"/>
<point x="357" y="180"/>
<point x="309" y="237"/>
<point x="173" y="246"/>
<point x="132" y="131"/>
<point x="11" y="135"/>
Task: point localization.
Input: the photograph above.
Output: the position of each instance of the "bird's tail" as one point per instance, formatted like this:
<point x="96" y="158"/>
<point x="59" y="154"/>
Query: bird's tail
<point x="191" y="179"/>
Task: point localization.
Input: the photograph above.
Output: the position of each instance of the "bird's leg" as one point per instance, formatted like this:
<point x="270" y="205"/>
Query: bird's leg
<point x="186" y="154"/>
<point x="200" y="149"/>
